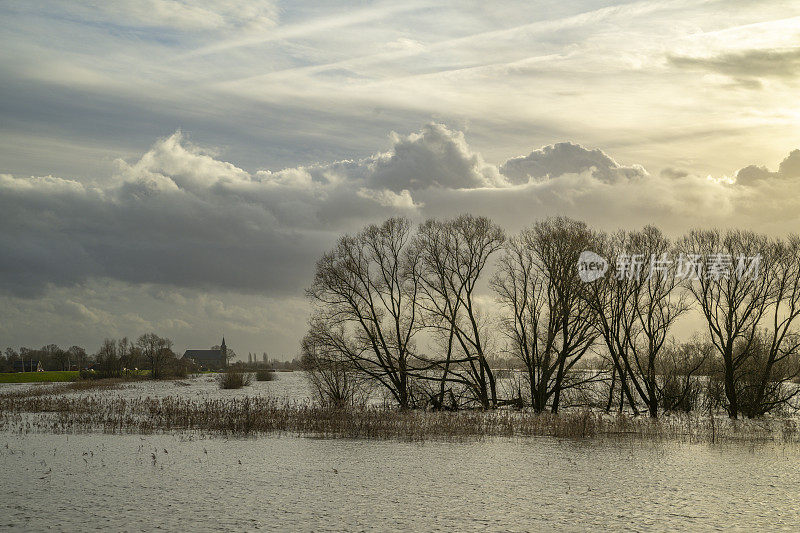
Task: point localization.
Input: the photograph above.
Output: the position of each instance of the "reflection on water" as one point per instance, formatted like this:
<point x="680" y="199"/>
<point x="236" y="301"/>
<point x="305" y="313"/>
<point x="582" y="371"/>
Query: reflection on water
<point x="186" y="482"/>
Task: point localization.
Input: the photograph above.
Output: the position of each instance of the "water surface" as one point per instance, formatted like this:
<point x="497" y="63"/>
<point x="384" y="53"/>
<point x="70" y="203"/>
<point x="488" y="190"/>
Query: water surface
<point x="188" y="482"/>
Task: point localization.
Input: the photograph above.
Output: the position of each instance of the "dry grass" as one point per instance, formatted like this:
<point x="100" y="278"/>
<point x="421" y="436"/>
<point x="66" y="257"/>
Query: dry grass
<point x="249" y="416"/>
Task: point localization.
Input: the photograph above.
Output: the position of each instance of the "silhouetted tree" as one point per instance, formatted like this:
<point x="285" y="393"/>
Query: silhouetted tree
<point x="449" y="258"/>
<point x="365" y="292"/>
<point x="156" y="352"/>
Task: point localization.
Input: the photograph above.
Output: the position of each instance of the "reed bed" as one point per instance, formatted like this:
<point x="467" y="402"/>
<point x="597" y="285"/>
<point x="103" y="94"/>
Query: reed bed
<point x="257" y="415"/>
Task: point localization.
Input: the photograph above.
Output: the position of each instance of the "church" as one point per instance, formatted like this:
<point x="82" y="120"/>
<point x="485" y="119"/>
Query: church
<point x="211" y="359"/>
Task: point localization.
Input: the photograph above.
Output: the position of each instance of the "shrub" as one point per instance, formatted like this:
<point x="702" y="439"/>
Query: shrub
<point x="88" y="374"/>
<point x="681" y="389"/>
<point x="715" y="392"/>
<point x="177" y="369"/>
<point x="233" y="379"/>
<point x="331" y="376"/>
<point x="680" y="393"/>
<point x="264" y="374"/>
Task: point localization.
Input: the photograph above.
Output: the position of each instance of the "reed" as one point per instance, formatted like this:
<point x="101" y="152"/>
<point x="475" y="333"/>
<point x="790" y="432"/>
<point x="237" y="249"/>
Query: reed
<point x="259" y="415"/>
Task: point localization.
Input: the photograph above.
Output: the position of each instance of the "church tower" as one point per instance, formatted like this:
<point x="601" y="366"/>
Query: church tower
<point x="223" y="352"/>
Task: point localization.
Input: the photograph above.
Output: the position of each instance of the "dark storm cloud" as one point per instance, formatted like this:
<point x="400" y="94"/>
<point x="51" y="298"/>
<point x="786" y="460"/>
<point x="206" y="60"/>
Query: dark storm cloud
<point x="178" y="216"/>
<point x="58" y="232"/>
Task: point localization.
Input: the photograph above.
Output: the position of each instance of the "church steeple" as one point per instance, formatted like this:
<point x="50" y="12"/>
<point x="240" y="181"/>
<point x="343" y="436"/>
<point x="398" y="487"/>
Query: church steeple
<point x="223" y="350"/>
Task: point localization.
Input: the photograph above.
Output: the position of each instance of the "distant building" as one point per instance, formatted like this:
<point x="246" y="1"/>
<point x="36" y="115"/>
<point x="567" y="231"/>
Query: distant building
<point x="208" y="358"/>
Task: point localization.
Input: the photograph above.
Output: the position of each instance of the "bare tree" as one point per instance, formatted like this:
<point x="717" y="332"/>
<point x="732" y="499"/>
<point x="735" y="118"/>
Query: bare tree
<point x="108" y="359"/>
<point x="565" y="332"/>
<point x="529" y="328"/>
<point x="77" y="356"/>
<point x="378" y="291"/>
<point x="731" y="295"/>
<point x="635" y="309"/>
<point x="609" y="298"/>
<point x="677" y="366"/>
<point x="440" y="306"/>
<point x="450" y="257"/>
<point x="657" y="302"/>
<point x="157" y="352"/>
<point x="365" y="289"/>
<point x="59" y="357"/>
<point x="128" y="353"/>
<point x="775" y="356"/>
<point x="329" y="368"/>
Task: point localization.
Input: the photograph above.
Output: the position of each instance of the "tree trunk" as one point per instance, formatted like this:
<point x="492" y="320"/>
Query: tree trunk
<point x="730" y="388"/>
<point x="559" y="379"/>
<point x="611" y="389"/>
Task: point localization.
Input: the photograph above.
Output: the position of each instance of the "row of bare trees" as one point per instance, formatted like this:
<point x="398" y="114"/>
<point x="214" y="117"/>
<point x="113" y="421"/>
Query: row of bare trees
<point x="149" y="351"/>
<point x="409" y="309"/>
<point x="50" y="356"/>
<point x="113" y="359"/>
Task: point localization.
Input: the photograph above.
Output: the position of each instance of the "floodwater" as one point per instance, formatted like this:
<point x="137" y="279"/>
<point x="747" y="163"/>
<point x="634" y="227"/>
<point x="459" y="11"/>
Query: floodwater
<point x="188" y="482"/>
<point x="184" y="482"/>
<point x="289" y="386"/>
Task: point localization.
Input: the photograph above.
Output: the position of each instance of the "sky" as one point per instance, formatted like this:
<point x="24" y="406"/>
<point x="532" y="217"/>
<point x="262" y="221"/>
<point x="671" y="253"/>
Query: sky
<point x="178" y="167"/>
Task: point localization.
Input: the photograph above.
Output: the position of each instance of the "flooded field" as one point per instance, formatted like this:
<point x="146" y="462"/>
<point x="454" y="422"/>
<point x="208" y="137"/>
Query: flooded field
<point x="184" y="482"/>
<point x="289" y="386"/>
<point x="193" y="480"/>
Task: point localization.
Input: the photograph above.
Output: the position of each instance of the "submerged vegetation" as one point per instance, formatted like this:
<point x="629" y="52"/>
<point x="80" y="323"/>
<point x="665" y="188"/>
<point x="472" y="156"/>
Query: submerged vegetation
<point x="265" y="374"/>
<point x="52" y="409"/>
<point x="78" y="407"/>
<point x="233" y="379"/>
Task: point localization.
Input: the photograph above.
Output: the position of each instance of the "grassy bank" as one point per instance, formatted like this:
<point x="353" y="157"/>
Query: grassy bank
<point x="252" y="416"/>
<point x="39" y="377"/>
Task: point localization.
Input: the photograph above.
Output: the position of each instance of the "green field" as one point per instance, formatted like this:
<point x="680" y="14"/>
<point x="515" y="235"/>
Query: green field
<point x="33" y="377"/>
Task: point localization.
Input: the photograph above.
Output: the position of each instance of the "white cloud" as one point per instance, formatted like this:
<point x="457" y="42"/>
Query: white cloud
<point x="388" y="198"/>
<point x="434" y="157"/>
<point x="753" y="174"/>
<point x="177" y="14"/>
<point x="568" y="158"/>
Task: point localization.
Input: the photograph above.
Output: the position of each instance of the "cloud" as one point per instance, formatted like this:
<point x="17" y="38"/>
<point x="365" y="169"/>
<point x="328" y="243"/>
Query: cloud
<point x="567" y="158"/>
<point x="673" y="173"/>
<point x="434" y="157"/>
<point x="186" y="16"/>
<point x="179" y="216"/>
<point x="743" y="66"/>
<point x="788" y="169"/>
<point x="388" y="198"/>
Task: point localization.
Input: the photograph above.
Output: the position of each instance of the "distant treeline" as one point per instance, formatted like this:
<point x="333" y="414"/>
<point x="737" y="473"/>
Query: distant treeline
<point x="115" y="358"/>
<point x="264" y="361"/>
<point x="404" y="309"/>
<point x="51" y="357"/>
